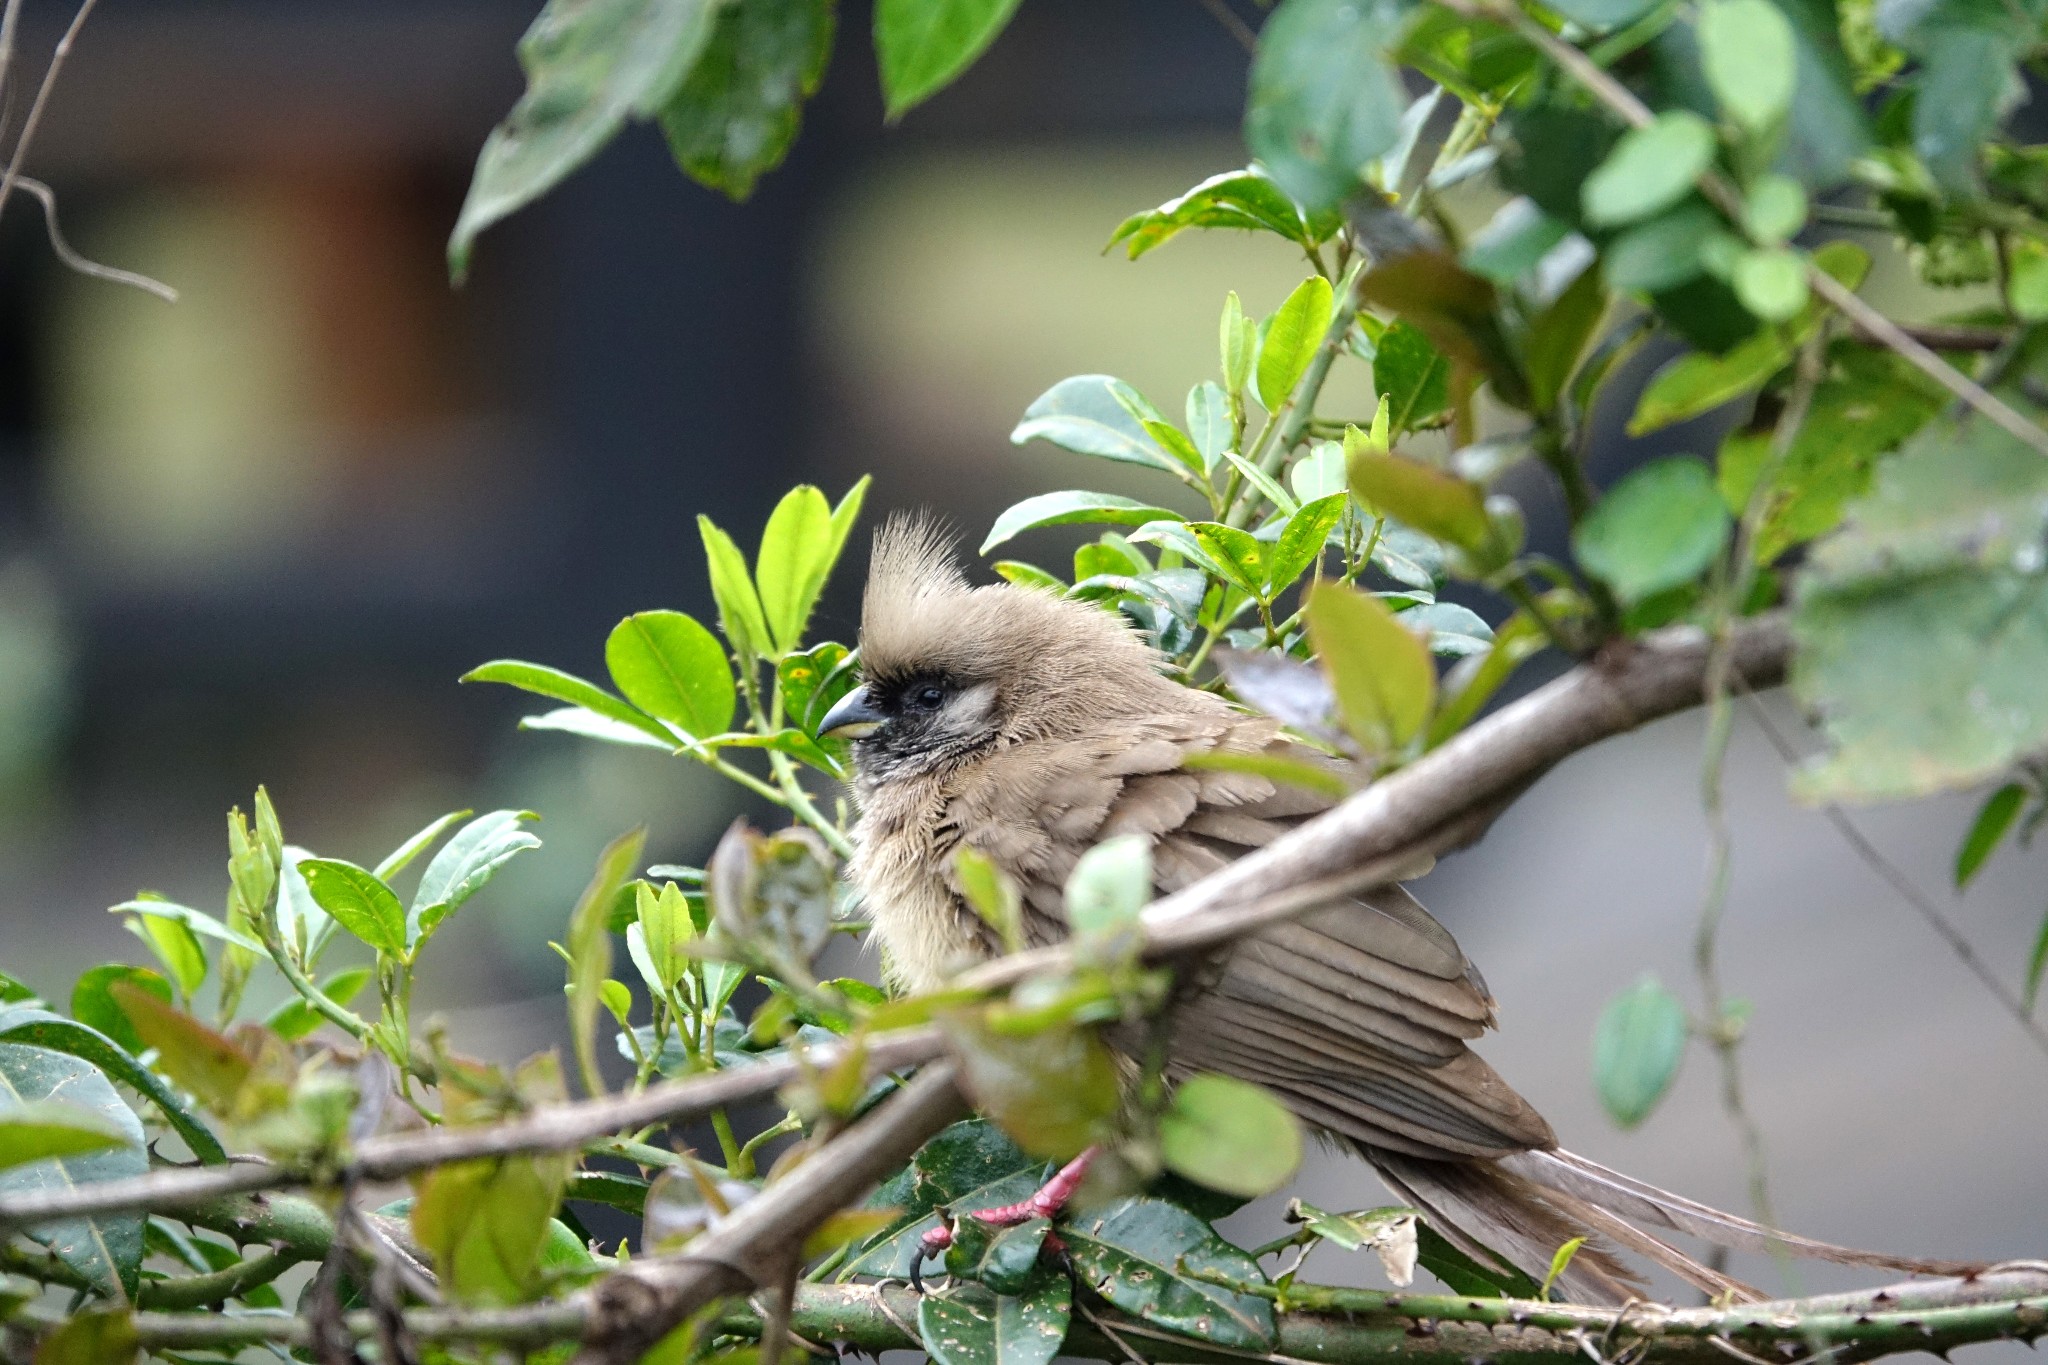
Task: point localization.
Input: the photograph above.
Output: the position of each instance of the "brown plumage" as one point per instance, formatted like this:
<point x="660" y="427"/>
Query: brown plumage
<point x="1030" y="727"/>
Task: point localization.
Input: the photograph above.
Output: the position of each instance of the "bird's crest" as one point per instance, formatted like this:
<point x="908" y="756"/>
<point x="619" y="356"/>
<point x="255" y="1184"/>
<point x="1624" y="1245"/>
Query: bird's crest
<point x="912" y="570"/>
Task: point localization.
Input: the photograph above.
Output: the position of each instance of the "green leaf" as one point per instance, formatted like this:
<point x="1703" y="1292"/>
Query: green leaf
<point x="1412" y="375"/>
<point x="798" y="550"/>
<point x="1141" y="1255"/>
<point x="359" y="901"/>
<point x="92" y="1006"/>
<point x="1229" y="1135"/>
<point x="1775" y="209"/>
<point x="1239" y="554"/>
<point x="1968" y="54"/>
<point x="922" y="46"/>
<point x="1055" y="1091"/>
<point x="673" y="668"/>
<point x="401" y="857"/>
<point x="1068" y="507"/>
<point x="1561" y="1262"/>
<point x="732" y="587"/>
<point x="590" y="946"/>
<point x="1003" y="1258"/>
<point x="969" y="1166"/>
<point x="1448" y="629"/>
<point x="1637" y="1046"/>
<point x="1289" y="339"/>
<point x="1771" y="282"/>
<point x="2037" y="967"/>
<point x="1109" y="887"/>
<point x="39" y="1028"/>
<point x="969" y="1325"/>
<point x="1602" y="16"/>
<point x="1383" y="677"/>
<point x="590" y="65"/>
<point x="1993" y="820"/>
<point x="1922" y="626"/>
<point x="460" y="869"/>
<point x="737" y="112"/>
<point x="1659" y="527"/>
<point x="1247" y="199"/>
<point x="95" y="1336"/>
<point x="1324" y="99"/>
<point x="1558" y="337"/>
<point x="198" y="921"/>
<point x="176" y="947"/>
<point x="991" y="894"/>
<point x="1419" y="495"/>
<point x="574" y="720"/>
<point x="1473" y="683"/>
<point x="1663" y="252"/>
<point x="106" y="1249"/>
<point x="295" y="1019"/>
<point x="37" y="1130"/>
<point x="1302" y="541"/>
<point x="1746" y="48"/>
<point x="203" y="1061"/>
<point x="1091" y="414"/>
<point x="1319" y="473"/>
<point x="1513" y="241"/>
<point x="1238" y="340"/>
<point x="1209" y="421"/>
<point x="566" y="687"/>
<point x="1650" y="169"/>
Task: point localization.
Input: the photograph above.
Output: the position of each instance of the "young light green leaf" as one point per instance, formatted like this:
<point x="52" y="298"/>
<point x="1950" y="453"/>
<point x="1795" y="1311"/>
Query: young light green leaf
<point x="1637" y="1047"/>
<point x="1258" y="478"/>
<point x="1302" y="541"/>
<point x="921" y="46"/>
<point x="176" y="947"/>
<point x="1319" y="473"/>
<point x="401" y="857"/>
<point x="590" y="949"/>
<point x="1561" y="1262"/>
<point x="797" y="536"/>
<point x="991" y="894"/>
<point x="732" y="587"/>
<point x="36" y="1130"/>
<point x="198" y="921"/>
<point x="1383" y="677"/>
<point x="359" y="901"/>
<point x="1747" y="51"/>
<point x="1289" y="340"/>
<point x="1649" y="170"/>
<point x="1238" y="340"/>
<point x="1771" y="282"/>
<point x="1110" y="886"/>
<point x="673" y="668"/>
<point x="1068" y="507"/>
<point x="567" y="687"/>
<point x="1994" y="819"/>
<point x="295" y="1018"/>
<point x="1239" y="555"/>
<point x="1419" y="495"/>
<point x="1229" y="1135"/>
<point x="460" y="869"/>
<point x="1775" y="208"/>
<point x="1659" y="527"/>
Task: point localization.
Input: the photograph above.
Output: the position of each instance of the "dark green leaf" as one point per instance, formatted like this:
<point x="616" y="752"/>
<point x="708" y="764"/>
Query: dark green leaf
<point x="92" y="1006"/>
<point x="1637" y="1047"/>
<point x="1324" y="100"/>
<point x="1967" y="52"/>
<point x="1141" y="1256"/>
<point x="1552" y="150"/>
<point x="738" y="110"/>
<point x="1993" y="820"/>
<point x="1003" y="1258"/>
<point x="1302" y="540"/>
<point x="358" y="901"/>
<point x="1288" y="340"/>
<point x="39" y="1028"/>
<point x="107" y="1249"/>
<point x="590" y="65"/>
<point x="1412" y="375"/>
<point x="921" y="46"/>
<point x="1659" y="527"/>
<point x="1091" y="414"/>
<point x="1229" y="1135"/>
<point x="1666" y="251"/>
<point x="1066" y="508"/>
<point x="971" y="1165"/>
<point x="460" y="869"/>
<point x="970" y="1325"/>
<point x="552" y="682"/>
<point x="1382" y="675"/>
<point x="1558" y="337"/>
<point x="1650" y="169"/>
<point x="1466" y="1276"/>
<point x="2037" y="967"/>
<point x="673" y="668"/>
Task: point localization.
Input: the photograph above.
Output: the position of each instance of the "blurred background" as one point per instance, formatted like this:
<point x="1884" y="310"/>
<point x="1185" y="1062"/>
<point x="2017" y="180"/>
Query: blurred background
<point x="255" y="536"/>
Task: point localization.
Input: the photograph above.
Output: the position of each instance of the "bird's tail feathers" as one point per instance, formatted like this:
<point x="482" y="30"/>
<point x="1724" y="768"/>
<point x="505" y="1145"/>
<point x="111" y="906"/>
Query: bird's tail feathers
<point x="1567" y="1178"/>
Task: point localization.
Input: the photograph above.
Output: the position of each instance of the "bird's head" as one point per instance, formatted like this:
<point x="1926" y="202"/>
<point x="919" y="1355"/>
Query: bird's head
<point x="950" y="671"/>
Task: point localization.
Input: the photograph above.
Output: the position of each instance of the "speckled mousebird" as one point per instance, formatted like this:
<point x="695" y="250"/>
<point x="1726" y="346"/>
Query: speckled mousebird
<point x="1030" y="727"/>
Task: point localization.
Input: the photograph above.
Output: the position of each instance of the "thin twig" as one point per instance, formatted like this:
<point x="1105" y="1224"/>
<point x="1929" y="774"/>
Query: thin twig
<point x="35" y="110"/>
<point x="48" y="198"/>
<point x="10" y="23"/>
<point x="1908" y="890"/>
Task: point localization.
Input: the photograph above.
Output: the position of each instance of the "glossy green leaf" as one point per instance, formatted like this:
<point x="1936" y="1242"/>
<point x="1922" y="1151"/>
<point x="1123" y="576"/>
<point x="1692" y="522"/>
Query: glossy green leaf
<point x="1091" y="414"/>
<point x="1302" y="541"/>
<point x="799" y="548"/>
<point x="401" y="857"/>
<point x="177" y="949"/>
<point x="590" y="65"/>
<point x="1289" y="339"/>
<point x="673" y="668"/>
<point x="732" y="587"/>
<point x="970" y="1325"/>
<point x="463" y="866"/>
<point x="1068" y="507"/>
<point x="1383" y="677"/>
<point x="198" y="921"/>
<point x="1209" y="421"/>
<point x="1004" y="1259"/>
<point x="1922" y="626"/>
<point x="813" y="681"/>
<point x="1661" y="526"/>
<point x="922" y="46"/>
<point x="1240" y="555"/>
<point x="1746" y="48"/>
<point x="738" y="110"/>
<point x="1448" y="629"/>
<point x="1637" y="1046"/>
<point x="26" y="1025"/>
<point x="1967" y="53"/>
<point x="1324" y="99"/>
<point x="106" y="1250"/>
<point x="566" y="687"/>
<point x="574" y="720"/>
<point x="1142" y="1256"/>
<point x="359" y="902"/>
<point x="1649" y="170"/>
<point x="1229" y="1135"/>
<point x="92" y="1006"/>
<point x="1412" y="375"/>
<point x="1988" y="830"/>
<point x="971" y="1165"/>
<point x="1248" y="199"/>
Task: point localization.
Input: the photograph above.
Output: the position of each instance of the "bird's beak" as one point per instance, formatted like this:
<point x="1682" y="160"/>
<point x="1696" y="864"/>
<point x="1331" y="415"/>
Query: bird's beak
<point x="852" y="717"/>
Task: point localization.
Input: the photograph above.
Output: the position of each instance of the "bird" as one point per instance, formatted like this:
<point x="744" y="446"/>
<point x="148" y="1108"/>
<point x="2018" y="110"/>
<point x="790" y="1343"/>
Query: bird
<point x="1030" y="726"/>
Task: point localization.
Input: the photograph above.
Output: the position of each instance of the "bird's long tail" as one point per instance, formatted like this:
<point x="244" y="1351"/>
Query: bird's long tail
<point x="1521" y="1208"/>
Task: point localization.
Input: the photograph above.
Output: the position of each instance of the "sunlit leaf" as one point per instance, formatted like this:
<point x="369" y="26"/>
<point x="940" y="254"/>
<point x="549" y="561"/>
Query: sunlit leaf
<point x="359" y="901"/>
<point x="565" y="687"/>
<point x="673" y="668"/>
<point x="1068" y="507"/>
<point x="1382" y="674"/>
<point x="732" y="587"/>
<point x="1290" y="338"/>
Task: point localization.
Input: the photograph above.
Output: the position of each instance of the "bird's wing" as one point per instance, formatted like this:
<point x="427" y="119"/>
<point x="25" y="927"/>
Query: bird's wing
<point x="1357" y="1014"/>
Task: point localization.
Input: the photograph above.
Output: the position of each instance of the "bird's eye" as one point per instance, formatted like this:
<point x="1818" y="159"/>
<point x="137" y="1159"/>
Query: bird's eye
<point x="928" y="697"/>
